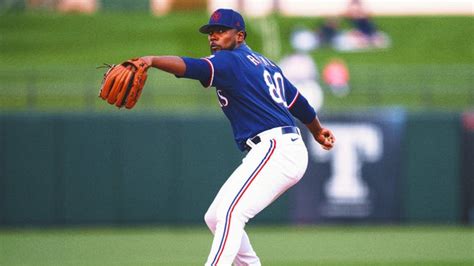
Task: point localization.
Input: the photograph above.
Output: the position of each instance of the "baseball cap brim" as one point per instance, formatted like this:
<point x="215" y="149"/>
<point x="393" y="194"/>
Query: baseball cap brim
<point x="207" y="28"/>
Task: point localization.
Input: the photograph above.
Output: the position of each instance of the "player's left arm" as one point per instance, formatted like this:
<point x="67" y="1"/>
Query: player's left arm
<point x="198" y="69"/>
<point x="301" y="109"/>
<point x="215" y="70"/>
<point x="171" y="64"/>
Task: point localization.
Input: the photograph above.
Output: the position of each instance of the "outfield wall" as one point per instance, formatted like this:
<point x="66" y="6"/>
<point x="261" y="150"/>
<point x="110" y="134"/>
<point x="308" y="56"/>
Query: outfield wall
<point x="135" y="168"/>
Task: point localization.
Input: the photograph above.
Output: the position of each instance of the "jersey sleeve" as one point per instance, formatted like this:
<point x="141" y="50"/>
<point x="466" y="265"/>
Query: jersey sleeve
<point x="199" y="69"/>
<point x="297" y="104"/>
<point x="213" y="71"/>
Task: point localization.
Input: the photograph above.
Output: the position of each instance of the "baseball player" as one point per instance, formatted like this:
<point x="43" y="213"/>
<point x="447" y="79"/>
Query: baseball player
<point x="260" y="104"/>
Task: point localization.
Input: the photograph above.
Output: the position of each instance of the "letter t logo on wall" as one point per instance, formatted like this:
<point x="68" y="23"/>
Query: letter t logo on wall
<point x="355" y="144"/>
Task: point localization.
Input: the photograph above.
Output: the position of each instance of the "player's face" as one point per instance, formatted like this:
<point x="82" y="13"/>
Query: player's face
<point x="221" y="38"/>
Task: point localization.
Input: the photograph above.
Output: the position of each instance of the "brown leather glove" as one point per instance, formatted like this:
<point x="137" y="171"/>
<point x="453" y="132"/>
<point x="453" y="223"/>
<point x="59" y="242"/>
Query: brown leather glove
<point x="123" y="84"/>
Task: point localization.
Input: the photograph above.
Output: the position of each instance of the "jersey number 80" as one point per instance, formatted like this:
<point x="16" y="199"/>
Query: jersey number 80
<point x="276" y="87"/>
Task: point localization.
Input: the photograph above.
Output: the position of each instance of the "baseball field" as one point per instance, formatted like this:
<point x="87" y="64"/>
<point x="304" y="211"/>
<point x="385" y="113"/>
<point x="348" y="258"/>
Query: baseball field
<point x="277" y="246"/>
<point x="48" y="63"/>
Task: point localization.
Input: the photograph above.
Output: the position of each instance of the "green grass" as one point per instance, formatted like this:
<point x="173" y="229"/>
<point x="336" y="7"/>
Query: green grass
<point x="48" y="60"/>
<point x="282" y="246"/>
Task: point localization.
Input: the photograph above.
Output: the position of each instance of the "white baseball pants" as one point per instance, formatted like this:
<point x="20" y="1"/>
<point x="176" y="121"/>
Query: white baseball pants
<point x="270" y="168"/>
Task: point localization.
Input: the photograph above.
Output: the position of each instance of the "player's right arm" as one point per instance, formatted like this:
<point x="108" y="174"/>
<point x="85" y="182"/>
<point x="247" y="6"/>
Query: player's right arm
<point x="322" y="135"/>
<point x="301" y="109"/>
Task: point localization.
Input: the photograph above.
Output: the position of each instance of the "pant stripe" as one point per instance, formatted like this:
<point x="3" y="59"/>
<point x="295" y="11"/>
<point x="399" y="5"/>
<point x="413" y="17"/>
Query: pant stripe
<point x="238" y="197"/>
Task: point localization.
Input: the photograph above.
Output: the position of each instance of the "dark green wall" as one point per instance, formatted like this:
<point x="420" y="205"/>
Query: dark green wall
<point x="75" y="169"/>
<point x="126" y="168"/>
<point x="432" y="162"/>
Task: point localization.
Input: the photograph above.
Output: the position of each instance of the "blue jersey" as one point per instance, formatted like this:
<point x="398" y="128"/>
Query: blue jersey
<point x="252" y="91"/>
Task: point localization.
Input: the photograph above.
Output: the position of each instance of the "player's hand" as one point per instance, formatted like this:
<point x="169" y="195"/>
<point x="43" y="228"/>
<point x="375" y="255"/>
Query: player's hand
<point x="325" y="138"/>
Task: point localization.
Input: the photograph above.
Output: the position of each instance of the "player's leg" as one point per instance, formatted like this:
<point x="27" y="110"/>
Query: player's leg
<point x="267" y="171"/>
<point x="286" y="169"/>
<point x="245" y="255"/>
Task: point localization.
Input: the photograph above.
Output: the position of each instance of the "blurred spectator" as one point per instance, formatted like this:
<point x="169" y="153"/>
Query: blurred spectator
<point x="336" y="76"/>
<point x="328" y="31"/>
<point x="360" y="19"/>
<point x="303" y="40"/>
<point x="364" y="35"/>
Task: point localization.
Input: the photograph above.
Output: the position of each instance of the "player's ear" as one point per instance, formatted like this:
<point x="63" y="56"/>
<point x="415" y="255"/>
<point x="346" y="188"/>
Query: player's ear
<point x="241" y="36"/>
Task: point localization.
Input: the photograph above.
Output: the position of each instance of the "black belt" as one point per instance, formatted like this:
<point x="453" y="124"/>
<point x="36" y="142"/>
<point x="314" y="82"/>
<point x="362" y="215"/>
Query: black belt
<point x="284" y="130"/>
